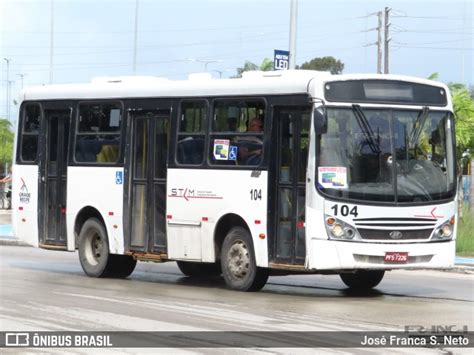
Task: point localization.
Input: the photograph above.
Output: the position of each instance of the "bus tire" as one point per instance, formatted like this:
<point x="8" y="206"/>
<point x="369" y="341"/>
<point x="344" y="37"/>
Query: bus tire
<point x="94" y="255"/>
<point x="238" y="263"/>
<point x="123" y="266"/>
<point x="193" y="269"/>
<point x="363" y="279"/>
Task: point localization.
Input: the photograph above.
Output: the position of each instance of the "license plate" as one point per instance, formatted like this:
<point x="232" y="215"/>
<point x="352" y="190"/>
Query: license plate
<point x="396" y="257"/>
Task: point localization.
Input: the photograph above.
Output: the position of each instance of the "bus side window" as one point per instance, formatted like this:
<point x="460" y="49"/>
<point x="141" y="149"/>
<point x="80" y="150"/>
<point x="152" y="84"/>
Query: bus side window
<point x="237" y="132"/>
<point x="98" y="133"/>
<point x="191" y="133"/>
<point x="29" y="134"/>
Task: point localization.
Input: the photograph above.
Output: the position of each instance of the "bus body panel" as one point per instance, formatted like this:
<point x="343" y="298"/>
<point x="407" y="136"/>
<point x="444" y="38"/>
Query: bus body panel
<point x="25" y="203"/>
<point x="196" y="201"/>
<point x="102" y="189"/>
<point x="356" y="254"/>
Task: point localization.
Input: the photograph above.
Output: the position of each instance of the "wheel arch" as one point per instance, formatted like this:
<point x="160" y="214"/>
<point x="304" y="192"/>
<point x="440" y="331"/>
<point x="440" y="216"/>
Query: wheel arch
<point x="82" y="216"/>
<point x="223" y="226"/>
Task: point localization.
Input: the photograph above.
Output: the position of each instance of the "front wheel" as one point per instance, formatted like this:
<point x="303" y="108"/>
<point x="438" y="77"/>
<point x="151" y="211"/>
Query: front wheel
<point x="363" y="279"/>
<point x="94" y="255"/>
<point x="238" y="263"/>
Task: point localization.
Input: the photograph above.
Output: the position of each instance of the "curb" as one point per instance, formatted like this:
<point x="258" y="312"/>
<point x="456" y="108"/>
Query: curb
<point x="13" y="242"/>
<point x="461" y="269"/>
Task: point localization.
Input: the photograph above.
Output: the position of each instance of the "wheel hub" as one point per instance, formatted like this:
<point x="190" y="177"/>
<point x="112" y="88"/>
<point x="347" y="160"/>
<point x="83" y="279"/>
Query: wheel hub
<point x="93" y="250"/>
<point x="238" y="260"/>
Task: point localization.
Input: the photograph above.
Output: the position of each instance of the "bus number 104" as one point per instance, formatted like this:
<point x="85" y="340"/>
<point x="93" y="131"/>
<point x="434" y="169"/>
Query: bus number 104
<point x="255" y="194"/>
<point x="345" y="210"/>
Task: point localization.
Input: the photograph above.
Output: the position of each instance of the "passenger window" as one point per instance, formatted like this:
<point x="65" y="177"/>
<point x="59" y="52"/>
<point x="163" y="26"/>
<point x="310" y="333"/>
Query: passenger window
<point x="29" y="133"/>
<point x="98" y="133"/>
<point x="237" y="132"/>
<point x="191" y="133"/>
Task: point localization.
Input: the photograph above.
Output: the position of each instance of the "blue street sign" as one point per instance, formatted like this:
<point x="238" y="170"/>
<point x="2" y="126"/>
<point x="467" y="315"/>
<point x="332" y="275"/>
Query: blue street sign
<point x="281" y="60"/>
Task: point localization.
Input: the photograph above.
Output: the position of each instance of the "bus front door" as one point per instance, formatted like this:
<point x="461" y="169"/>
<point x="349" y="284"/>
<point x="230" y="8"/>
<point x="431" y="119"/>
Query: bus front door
<point x="53" y="179"/>
<point x="146" y="213"/>
<point x="289" y="162"/>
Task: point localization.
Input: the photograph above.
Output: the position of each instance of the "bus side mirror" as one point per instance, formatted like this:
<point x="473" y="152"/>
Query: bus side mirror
<point x="320" y="120"/>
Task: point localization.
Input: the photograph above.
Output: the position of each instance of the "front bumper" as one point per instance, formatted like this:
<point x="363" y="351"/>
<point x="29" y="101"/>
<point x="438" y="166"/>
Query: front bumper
<point x="340" y="255"/>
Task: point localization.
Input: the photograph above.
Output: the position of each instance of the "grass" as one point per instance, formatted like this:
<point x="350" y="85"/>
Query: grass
<point x="465" y="237"/>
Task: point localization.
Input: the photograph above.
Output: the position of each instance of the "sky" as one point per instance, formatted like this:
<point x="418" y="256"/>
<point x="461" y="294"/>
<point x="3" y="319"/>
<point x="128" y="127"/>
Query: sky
<point x="92" y="38"/>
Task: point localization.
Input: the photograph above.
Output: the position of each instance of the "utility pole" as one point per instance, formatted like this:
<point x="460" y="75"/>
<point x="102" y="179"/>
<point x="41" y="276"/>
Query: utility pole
<point x="293" y="21"/>
<point x="379" y="43"/>
<point x="7" y="103"/>
<point x="51" y="50"/>
<point x="22" y="76"/>
<point x="386" y="49"/>
<point x="135" y="39"/>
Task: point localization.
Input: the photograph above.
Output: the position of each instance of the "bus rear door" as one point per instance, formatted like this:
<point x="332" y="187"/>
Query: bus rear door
<point x="145" y="207"/>
<point x="53" y="179"/>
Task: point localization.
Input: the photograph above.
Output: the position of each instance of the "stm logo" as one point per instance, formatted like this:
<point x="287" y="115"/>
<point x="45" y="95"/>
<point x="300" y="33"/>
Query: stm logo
<point x="183" y="193"/>
<point x="189" y="194"/>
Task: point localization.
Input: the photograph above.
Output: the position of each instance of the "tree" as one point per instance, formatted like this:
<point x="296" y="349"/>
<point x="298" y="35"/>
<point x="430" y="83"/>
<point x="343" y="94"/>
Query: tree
<point x="267" y="65"/>
<point x="463" y="107"/>
<point x="6" y="141"/>
<point x="331" y="64"/>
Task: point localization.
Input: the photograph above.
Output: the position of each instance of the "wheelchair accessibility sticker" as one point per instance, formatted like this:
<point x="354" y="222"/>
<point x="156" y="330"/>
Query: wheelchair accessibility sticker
<point x="119" y="177"/>
<point x="233" y="152"/>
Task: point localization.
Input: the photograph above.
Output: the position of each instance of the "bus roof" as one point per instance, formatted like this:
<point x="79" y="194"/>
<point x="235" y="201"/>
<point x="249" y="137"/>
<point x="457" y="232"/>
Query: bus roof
<point x="199" y="84"/>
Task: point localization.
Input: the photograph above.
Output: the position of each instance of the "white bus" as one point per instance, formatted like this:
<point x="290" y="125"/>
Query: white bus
<point x="343" y="174"/>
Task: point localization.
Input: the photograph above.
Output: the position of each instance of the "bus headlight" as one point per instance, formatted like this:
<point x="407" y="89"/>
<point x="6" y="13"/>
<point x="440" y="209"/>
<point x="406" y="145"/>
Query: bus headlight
<point x="445" y="231"/>
<point x="338" y="229"/>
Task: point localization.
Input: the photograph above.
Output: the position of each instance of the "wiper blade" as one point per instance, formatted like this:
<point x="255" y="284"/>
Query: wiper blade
<point x="366" y="129"/>
<point x="418" y="125"/>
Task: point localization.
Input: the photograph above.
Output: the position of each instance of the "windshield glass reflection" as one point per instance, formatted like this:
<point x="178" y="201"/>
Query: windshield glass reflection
<point x="385" y="155"/>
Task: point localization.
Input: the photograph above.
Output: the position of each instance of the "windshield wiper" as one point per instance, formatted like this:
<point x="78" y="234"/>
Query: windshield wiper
<point x="418" y="125"/>
<point x="366" y="129"/>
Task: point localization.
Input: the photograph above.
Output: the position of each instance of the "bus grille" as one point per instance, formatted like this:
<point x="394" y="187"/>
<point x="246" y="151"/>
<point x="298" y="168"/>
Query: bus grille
<point x="395" y="228"/>
<point x="410" y="234"/>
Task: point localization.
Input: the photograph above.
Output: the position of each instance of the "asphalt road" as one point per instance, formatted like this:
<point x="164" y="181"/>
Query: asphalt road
<point x="47" y="290"/>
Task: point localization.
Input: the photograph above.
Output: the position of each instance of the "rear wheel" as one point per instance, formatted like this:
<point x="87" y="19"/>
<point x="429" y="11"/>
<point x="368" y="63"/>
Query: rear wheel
<point x="363" y="279"/>
<point x="96" y="261"/>
<point x="194" y="269"/>
<point x="238" y="264"/>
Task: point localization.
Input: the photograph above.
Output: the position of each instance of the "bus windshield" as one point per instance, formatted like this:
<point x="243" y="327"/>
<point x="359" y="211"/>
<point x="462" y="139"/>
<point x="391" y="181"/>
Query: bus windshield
<point x="387" y="155"/>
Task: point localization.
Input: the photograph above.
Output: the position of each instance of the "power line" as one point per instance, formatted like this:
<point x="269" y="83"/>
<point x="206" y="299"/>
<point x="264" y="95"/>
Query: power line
<point x="437" y="42"/>
<point x="195" y="29"/>
<point x="441" y="48"/>
<point x="430" y="17"/>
